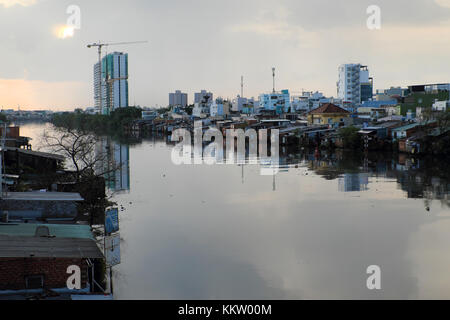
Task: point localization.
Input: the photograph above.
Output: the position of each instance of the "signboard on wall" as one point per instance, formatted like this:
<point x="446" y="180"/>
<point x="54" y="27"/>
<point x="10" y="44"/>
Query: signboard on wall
<point x="112" y="250"/>
<point x="112" y="220"/>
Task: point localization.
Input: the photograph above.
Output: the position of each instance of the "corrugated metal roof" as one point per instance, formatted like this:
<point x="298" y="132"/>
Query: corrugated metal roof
<point x="43" y="196"/>
<point x="34" y="247"/>
<point x="56" y="230"/>
<point x="407" y="127"/>
<point x="37" y="153"/>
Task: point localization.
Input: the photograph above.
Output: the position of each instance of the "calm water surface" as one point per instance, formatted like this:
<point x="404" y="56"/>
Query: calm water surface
<point x="226" y="232"/>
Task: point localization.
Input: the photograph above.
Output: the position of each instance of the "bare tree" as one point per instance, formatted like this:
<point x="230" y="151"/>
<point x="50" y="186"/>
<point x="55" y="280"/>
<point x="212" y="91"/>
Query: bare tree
<point x="90" y="159"/>
<point x="81" y="149"/>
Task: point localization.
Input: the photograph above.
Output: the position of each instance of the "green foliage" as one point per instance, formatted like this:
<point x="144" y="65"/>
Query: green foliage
<point x="420" y="99"/>
<point x="97" y="123"/>
<point x="122" y="116"/>
<point x="3" y="117"/>
<point x="444" y="120"/>
<point x="350" y="137"/>
<point x="163" y="110"/>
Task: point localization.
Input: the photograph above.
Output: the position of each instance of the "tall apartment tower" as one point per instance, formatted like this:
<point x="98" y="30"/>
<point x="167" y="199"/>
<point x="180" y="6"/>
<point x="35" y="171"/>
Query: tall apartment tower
<point x="112" y="80"/>
<point x="178" y="99"/>
<point x="354" y="84"/>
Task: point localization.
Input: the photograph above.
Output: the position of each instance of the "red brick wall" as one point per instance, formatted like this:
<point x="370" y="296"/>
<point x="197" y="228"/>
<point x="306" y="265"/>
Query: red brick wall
<point x="14" y="270"/>
<point x="11" y="132"/>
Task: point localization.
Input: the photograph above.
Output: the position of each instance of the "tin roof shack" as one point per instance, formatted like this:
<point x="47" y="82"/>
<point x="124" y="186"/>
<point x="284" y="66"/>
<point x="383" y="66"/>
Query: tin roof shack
<point x="33" y="265"/>
<point x="374" y="137"/>
<point x="433" y="141"/>
<point x="404" y="131"/>
<point x="389" y="125"/>
<point x="27" y="161"/>
<point x="290" y="135"/>
<point x="274" y="123"/>
<point x="40" y="206"/>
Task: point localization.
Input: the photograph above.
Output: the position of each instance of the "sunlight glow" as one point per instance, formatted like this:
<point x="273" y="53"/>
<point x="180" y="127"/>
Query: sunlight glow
<point x="64" y="32"/>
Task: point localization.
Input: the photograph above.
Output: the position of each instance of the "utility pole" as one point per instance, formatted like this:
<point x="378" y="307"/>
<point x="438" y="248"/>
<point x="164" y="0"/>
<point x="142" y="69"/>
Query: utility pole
<point x="273" y="75"/>
<point x="2" y="159"/>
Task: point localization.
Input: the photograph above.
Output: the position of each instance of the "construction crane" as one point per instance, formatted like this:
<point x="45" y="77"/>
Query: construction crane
<point x="99" y="46"/>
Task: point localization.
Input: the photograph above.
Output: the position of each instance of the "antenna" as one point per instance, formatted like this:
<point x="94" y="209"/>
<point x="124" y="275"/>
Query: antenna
<point x="242" y="86"/>
<point x="273" y="75"/>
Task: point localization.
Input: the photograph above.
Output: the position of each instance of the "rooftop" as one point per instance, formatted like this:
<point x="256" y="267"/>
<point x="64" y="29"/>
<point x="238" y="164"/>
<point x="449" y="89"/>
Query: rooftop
<point x="329" y="108"/>
<point x="36" y="247"/>
<point x="55" y="230"/>
<point x="37" y="153"/>
<point x="43" y="196"/>
<point x="406" y="127"/>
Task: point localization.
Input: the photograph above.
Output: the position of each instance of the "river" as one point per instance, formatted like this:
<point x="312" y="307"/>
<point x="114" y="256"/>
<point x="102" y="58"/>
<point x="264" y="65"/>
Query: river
<point x="310" y="232"/>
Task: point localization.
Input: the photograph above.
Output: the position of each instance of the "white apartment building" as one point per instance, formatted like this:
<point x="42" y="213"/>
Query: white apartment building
<point x="354" y="84"/>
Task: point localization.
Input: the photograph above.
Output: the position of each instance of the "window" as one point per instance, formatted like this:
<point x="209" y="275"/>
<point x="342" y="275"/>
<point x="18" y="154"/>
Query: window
<point x="34" y="282"/>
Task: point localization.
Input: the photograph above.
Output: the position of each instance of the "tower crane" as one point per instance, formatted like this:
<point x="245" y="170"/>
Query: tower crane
<point x="99" y="46"/>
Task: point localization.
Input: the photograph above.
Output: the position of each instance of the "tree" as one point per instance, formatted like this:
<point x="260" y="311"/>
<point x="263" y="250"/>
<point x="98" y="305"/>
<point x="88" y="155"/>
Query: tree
<point x="3" y="118"/>
<point x="90" y="162"/>
<point x="77" y="146"/>
<point x="443" y="120"/>
<point x="350" y="137"/>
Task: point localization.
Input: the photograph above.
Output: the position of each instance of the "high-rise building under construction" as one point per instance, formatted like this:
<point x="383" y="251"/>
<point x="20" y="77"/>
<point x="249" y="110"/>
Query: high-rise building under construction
<point x="114" y="83"/>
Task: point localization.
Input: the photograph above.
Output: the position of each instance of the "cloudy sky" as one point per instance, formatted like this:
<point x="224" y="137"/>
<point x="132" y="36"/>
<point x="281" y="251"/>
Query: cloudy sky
<point x="209" y="44"/>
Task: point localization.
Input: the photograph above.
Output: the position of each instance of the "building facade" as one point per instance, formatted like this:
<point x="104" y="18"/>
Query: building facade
<point x="238" y="103"/>
<point x="279" y="102"/>
<point x="328" y="114"/>
<point x="178" y="99"/>
<point x="204" y="97"/>
<point x="354" y="84"/>
<point x="111" y="83"/>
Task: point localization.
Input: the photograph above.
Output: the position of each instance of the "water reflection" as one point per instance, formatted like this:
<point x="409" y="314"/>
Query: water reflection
<point x="226" y="231"/>
<point x="115" y="164"/>
<point x="352" y="182"/>
<point x="311" y="231"/>
<point x="421" y="178"/>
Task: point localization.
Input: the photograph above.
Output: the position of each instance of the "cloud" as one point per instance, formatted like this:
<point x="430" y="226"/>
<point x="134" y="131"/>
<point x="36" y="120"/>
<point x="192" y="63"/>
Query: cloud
<point x="275" y="24"/>
<point x="443" y="3"/>
<point x="279" y="29"/>
<point x="11" y="3"/>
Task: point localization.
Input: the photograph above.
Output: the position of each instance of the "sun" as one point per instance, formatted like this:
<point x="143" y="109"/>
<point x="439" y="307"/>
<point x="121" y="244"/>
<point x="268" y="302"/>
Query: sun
<point x="64" y="32"/>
